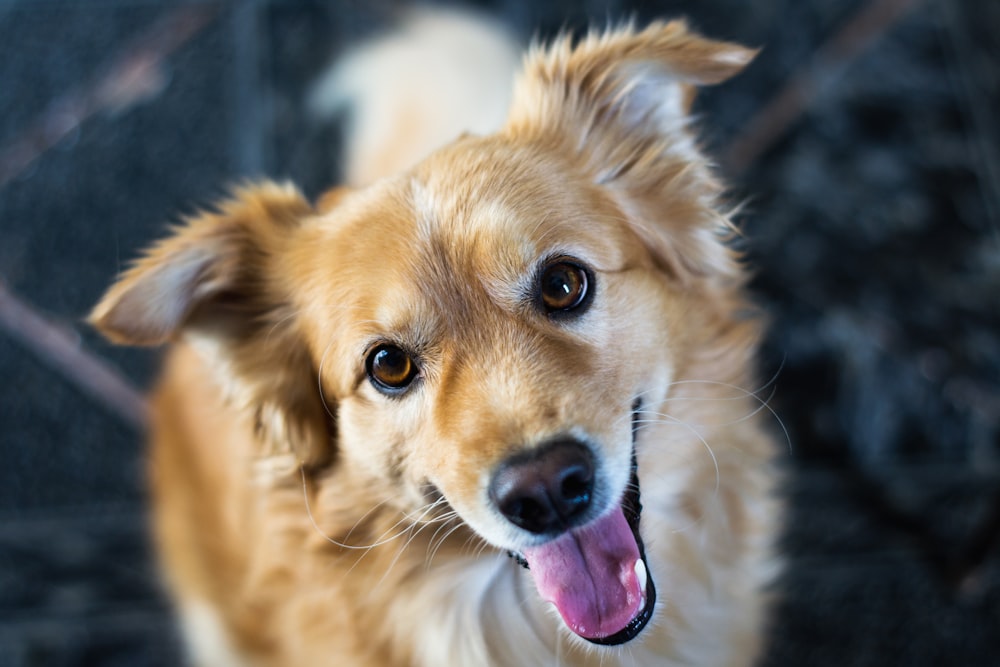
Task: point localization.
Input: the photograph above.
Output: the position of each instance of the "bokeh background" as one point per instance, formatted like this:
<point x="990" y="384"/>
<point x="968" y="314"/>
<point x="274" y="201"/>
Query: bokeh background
<point x="863" y="140"/>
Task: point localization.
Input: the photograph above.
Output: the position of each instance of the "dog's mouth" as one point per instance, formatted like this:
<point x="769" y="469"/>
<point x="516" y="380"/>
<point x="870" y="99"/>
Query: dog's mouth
<point x="596" y="575"/>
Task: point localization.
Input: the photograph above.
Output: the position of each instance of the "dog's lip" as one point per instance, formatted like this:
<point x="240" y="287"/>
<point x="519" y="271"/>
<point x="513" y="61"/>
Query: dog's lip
<point x="631" y="509"/>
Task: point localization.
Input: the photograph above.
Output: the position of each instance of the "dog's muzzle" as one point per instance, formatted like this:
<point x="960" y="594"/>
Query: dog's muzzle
<point x="593" y="569"/>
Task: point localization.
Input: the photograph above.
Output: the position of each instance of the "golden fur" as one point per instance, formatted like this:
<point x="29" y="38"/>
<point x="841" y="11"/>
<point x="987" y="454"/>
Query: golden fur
<point x="304" y="517"/>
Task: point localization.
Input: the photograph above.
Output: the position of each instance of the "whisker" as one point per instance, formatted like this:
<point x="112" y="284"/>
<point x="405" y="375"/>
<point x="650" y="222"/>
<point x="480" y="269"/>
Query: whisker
<point x="764" y="403"/>
<point x="319" y="382"/>
<point x="668" y="419"/>
<point x="441" y="540"/>
<point x="374" y="508"/>
<point x="381" y="539"/>
<point x="395" y="559"/>
<point x="416" y="527"/>
<point x="419" y="525"/>
<point x="322" y="359"/>
<point x="437" y="539"/>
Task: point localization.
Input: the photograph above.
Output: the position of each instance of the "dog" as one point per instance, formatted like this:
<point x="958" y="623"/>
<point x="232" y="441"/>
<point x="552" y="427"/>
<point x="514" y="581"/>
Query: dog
<point x="497" y="407"/>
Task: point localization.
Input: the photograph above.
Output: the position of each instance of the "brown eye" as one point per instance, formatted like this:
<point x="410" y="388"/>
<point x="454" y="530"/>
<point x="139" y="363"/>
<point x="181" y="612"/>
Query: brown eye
<point x="390" y="369"/>
<point x="563" y="286"/>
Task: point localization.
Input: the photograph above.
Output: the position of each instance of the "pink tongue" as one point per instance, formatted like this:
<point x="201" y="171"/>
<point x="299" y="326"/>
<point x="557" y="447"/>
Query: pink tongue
<point x="589" y="574"/>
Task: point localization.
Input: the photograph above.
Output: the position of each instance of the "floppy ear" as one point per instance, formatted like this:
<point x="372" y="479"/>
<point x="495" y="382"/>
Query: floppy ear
<point x="617" y="102"/>
<point x="214" y="282"/>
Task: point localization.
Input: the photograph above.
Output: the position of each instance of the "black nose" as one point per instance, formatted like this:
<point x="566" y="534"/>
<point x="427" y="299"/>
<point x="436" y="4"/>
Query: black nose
<point x="546" y="490"/>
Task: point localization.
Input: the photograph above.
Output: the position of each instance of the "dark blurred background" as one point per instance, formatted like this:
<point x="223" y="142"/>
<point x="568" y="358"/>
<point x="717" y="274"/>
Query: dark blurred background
<point x="864" y="141"/>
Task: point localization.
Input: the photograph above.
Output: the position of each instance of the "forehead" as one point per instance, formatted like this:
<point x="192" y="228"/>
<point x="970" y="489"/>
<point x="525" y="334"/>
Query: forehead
<point x="491" y="205"/>
<point x="467" y="228"/>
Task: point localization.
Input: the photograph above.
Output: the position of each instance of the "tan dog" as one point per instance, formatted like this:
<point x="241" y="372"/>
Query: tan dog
<point x="370" y="403"/>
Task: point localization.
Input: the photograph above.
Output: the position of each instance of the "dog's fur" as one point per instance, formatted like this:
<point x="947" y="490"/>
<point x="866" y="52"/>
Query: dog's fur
<point x="306" y="517"/>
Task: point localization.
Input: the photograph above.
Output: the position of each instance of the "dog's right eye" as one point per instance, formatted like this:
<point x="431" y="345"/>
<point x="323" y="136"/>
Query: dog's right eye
<point x="390" y="369"/>
<point x="563" y="286"/>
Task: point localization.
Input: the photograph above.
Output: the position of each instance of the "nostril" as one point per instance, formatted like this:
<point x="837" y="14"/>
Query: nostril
<point x="576" y="486"/>
<point x="547" y="489"/>
<point x="528" y="512"/>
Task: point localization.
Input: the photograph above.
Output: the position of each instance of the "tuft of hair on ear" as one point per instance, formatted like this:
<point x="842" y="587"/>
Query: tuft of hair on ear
<point x="213" y="282"/>
<point x="216" y="257"/>
<point x="617" y="104"/>
<point x="630" y="80"/>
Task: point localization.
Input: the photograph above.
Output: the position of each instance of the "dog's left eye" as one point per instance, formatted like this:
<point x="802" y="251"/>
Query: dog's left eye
<point x="564" y="286"/>
<point x="390" y="369"/>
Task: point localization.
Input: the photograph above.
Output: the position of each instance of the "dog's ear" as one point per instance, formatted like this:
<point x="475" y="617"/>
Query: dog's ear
<point x="617" y="102"/>
<point x="214" y="282"/>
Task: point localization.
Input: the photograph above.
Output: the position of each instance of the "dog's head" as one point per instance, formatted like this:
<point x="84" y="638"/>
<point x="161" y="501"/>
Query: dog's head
<point x="483" y="329"/>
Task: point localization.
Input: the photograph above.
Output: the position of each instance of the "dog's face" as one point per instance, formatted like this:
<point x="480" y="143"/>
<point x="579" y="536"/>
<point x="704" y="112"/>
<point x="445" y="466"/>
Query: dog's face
<point x="494" y="326"/>
<point x="509" y="323"/>
<point x="482" y="331"/>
